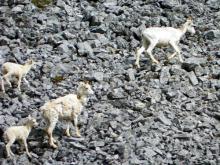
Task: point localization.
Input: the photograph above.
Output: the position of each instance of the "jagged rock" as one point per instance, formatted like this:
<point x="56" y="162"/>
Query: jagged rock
<point x="190" y="63"/>
<point x="18" y="9"/>
<point x="162" y="118"/>
<point x="138" y="105"/>
<point x="213" y="34"/>
<point x="117" y="93"/>
<point x="164" y="75"/>
<point x="213" y="3"/>
<point x="131" y="74"/>
<point x="84" y="49"/>
<point x="193" y="78"/>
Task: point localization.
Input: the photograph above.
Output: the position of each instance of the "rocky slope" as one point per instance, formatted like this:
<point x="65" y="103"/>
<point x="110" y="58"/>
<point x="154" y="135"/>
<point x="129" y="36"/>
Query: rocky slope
<point x="158" y="114"/>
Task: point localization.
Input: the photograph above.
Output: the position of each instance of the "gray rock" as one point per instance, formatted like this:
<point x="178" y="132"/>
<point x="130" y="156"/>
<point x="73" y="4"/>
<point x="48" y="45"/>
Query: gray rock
<point x="215" y="83"/>
<point x="18" y="9"/>
<point x="110" y="3"/>
<point x="2" y="149"/>
<point x="4" y="41"/>
<point x="66" y="48"/>
<point x="84" y="48"/>
<point x="98" y="76"/>
<point x="117" y="93"/>
<point x="162" y="118"/>
<point x="164" y="75"/>
<point x="138" y="105"/>
<point x="102" y="29"/>
<point x="121" y="43"/>
<point x="190" y="63"/>
<point x="213" y="35"/>
<point x="213" y="4"/>
<point x="78" y="145"/>
<point x="96" y="144"/>
<point x="193" y="79"/>
<point x="4" y="50"/>
<point x="131" y="74"/>
<point x="23" y="159"/>
<point x="95" y="76"/>
<point x="190" y="106"/>
<point x="169" y="4"/>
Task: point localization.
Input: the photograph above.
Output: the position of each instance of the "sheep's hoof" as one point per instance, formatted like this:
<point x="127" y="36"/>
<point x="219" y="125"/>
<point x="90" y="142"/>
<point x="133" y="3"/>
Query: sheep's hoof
<point x="78" y="135"/>
<point x="67" y="134"/>
<point x="53" y="146"/>
<point x="155" y="61"/>
<point x="29" y="155"/>
<point x="136" y="65"/>
<point x="11" y="155"/>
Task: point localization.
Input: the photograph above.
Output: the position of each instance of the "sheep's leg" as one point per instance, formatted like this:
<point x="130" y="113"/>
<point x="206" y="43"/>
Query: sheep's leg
<point x="149" y="51"/>
<point x="3" y="86"/>
<point x="138" y="53"/>
<point x="176" y="48"/>
<point x="76" y="126"/>
<point x="26" y="147"/>
<point x="6" y="78"/>
<point x="172" y="55"/>
<point x="21" y="145"/>
<point x="50" y="132"/>
<point x="8" y="147"/>
<point x="67" y="132"/>
<point x="19" y="83"/>
<point x="25" y="80"/>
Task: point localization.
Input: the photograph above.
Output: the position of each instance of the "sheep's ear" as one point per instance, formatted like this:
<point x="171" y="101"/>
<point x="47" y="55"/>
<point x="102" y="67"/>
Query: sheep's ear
<point x="189" y="18"/>
<point x="86" y="82"/>
<point x="30" y="61"/>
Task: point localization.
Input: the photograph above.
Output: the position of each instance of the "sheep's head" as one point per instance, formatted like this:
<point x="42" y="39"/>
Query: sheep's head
<point x="190" y="27"/>
<point x="84" y="89"/>
<point x="30" y="62"/>
<point x="32" y="121"/>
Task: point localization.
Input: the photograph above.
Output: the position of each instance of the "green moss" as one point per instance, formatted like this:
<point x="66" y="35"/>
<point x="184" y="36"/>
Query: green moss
<point x="41" y="3"/>
<point x="57" y="79"/>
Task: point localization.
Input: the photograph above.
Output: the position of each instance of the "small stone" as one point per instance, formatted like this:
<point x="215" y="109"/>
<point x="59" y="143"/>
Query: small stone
<point x="84" y="48"/>
<point x="138" y="105"/>
<point x="78" y="145"/>
<point x="164" y="75"/>
<point x="131" y="74"/>
<point x="213" y="34"/>
<point x="163" y="119"/>
<point x="193" y="79"/>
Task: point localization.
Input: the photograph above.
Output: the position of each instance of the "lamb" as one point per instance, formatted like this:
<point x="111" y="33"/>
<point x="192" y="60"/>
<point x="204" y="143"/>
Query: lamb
<point x="20" y="133"/>
<point x="66" y="108"/>
<point x="9" y="69"/>
<point x="163" y="36"/>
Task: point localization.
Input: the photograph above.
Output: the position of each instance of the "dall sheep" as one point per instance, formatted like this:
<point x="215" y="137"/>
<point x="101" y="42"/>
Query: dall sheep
<point x="9" y="69"/>
<point x="163" y="36"/>
<point x="66" y="108"/>
<point x="20" y="133"/>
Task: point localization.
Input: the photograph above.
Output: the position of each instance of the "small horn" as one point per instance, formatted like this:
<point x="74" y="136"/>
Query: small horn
<point x="189" y="18"/>
<point x="86" y="81"/>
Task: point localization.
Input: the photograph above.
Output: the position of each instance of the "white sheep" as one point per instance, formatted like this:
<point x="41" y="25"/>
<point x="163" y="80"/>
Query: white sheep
<point x="163" y="36"/>
<point x="9" y="69"/>
<point x="20" y="133"/>
<point x="66" y="108"/>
